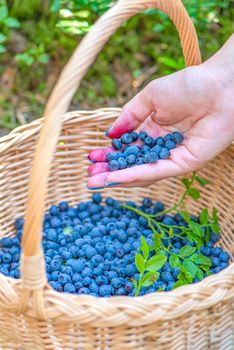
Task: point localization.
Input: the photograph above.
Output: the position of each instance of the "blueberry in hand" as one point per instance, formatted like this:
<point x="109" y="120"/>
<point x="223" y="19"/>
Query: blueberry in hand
<point x="164" y="153"/>
<point x="126" y="138"/>
<point x="116" y="144"/>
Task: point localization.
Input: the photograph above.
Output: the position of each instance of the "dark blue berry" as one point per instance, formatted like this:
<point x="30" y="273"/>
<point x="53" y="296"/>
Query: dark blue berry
<point x="97" y="198"/>
<point x="149" y="141"/>
<point x="113" y="165"/>
<point x="122" y="163"/>
<point x="126" y="138"/>
<point x="170" y="145"/>
<point x="224" y="257"/>
<point x="116" y="144"/>
<point x="164" y="153"/>
<point x="151" y="157"/>
<point x="159" y="141"/>
<point x="177" y="137"/>
<point x="63" y="206"/>
<point x="105" y="290"/>
<point x="69" y="288"/>
<point x="142" y="135"/>
<point x="131" y="159"/>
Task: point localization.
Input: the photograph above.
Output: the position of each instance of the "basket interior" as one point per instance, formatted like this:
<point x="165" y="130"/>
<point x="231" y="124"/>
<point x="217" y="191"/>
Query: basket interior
<point x="82" y="132"/>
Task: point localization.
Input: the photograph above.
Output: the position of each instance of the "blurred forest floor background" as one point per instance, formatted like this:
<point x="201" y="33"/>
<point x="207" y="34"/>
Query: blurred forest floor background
<point x="37" y="37"/>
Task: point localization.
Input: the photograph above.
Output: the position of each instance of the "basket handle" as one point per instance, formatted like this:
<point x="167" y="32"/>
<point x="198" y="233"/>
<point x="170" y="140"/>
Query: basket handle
<point x="32" y="263"/>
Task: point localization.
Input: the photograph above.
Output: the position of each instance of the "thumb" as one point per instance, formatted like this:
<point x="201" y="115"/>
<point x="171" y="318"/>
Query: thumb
<point x="134" y="112"/>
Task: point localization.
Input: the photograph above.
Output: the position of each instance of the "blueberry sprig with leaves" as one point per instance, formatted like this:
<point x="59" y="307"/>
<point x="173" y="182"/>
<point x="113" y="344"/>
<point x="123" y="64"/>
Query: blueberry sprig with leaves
<point x="188" y="259"/>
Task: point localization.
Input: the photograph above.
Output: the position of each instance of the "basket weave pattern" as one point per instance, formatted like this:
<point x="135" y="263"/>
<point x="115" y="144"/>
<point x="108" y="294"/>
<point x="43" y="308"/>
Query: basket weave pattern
<point x="32" y="315"/>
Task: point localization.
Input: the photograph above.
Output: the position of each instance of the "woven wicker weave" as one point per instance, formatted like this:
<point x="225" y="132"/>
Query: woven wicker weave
<point x="32" y="315"/>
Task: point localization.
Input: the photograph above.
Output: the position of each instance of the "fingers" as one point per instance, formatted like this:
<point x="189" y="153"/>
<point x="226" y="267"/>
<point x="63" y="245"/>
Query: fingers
<point x="100" y="167"/>
<point x="99" y="155"/>
<point x="134" y="112"/>
<point x="98" y="181"/>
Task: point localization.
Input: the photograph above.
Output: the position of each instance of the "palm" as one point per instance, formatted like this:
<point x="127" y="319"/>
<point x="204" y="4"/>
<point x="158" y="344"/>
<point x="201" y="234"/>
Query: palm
<point x="188" y="108"/>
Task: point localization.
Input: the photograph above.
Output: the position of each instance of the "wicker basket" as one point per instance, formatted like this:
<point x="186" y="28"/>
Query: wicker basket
<point x="32" y="315"/>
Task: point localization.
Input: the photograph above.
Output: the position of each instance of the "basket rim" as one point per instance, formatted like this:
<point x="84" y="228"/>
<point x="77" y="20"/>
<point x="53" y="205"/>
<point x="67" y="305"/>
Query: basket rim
<point x="153" y="307"/>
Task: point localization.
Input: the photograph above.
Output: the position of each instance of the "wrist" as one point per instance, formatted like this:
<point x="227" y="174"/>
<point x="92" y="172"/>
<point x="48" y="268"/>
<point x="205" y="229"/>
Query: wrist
<point x="221" y="66"/>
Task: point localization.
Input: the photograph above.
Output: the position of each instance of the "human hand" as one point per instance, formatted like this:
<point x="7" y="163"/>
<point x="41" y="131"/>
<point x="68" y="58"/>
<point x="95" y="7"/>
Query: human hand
<point x="196" y="101"/>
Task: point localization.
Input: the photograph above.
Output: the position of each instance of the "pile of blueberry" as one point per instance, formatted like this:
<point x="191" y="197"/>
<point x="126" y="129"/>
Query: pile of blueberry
<point x="90" y="249"/>
<point x="137" y="149"/>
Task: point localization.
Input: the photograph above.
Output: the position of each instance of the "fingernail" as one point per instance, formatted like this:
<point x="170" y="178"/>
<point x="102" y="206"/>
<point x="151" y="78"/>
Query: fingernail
<point x="106" y="133"/>
<point x="112" y="184"/>
<point x="95" y="188"/>
<point x="91" y="160"/>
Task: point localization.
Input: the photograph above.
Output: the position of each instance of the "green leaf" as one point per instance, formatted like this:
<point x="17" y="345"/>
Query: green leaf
<point x="199" y="274"/>
<point x="207" y="235"/>
<point x="149" y="278"/>
<point x="145" y="248"/>
<point x="11" y="22"/>
<point x="140" y="262"/>
<point x="194" y="193"/>
<point x="185" y="215"/>
<point x="170" y="62"/>
<point x="178" y="284"/>
<point x="204" y="217"/>
<point x="185" y="276"/>
<point x="215" y="228"/>
<point x="3" y="12"/>
<point x="157" y="241"/>
<point x="3" y="38"/>
<point x="174" y="261"/>
<point x="134" y="283"/>
<point x="214" y="216"/>
<point x="196" y="228"/>
<point x="170" y="232"/>
<point x="186" y="182"/>
<point x="201" y="181"/>
<point x="202" y="260"/>
<point x="186" y="250"/>
<point x="55" y="6"/>
<point x="190" y="267"/>
<point x="2" y="49"/>
<point x="155" y="263"/>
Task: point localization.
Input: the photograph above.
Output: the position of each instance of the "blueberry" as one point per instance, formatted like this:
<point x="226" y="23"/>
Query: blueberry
<point x="131" y="159"/>
<point x="116" y="144"/>
<point x="113" y="165"/>
<point x="63" y="206"/>
<point x="139" y="161"/>
<point x="207" y="251"/>
<point x="145" y="149"/>
<point x="159" y="141"/>
<point x="113" y="156"/>
<point x="55" y="265"/>
<point x="87" y="272"/>
<point x="134" y="136"/>
<point x="120" y="253"/>
<point x="54" y="210"/>
<point x="122" y="163"/>
<point x="151" y="157"/>
<point x="66" y="255"/>
<point x="109" y="201"/>
<point x="214" y="238"/>
<point x="132" y="150"/>
<point x="121" y="291"/>
<point x="101" y="280"/>
<point x="176" y="272"/>
<point x="69" y="288"/>
<point x="126" y="138"/>
<point x="100" y="248"/>
<point x="105" y="290"/>
<point x="6" y="258"/>
<point x="169" y="286"/>
<point x="84" y="290"/>
<point x="130" y="269"/>
<point x="87" y="281"/>
<point x="64" y="278"/>
<point x="224" y="257"/>
<point x="223" y="265"/>
<point x="19" y="223"/>
<point x="55" y="275"/>
<point x="122" y="236"/>
<point x="97" y="198"/>
<point x="117" y="282"/>
<point x="157" y="149"/>
<point x="97" y="259"/>
<point x="147" y="202"/>
<point x="170" y="145"/>
<point x="164" y="153"/>
<point x="94" y="288"/>
<point x="142" y="135"/>
<point x="166" y="277"/>
<point x="215" y="261"/>
<point x="149" y="141"/>
<point x="217" y="269"/>
<point x="55" y="222"/>
<point x="17" y="273"/>
<point x="216" y="251"/>
<point x="177" y="137"/>
<point x="90" y="252"/>
<point x="129" y="287"/>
